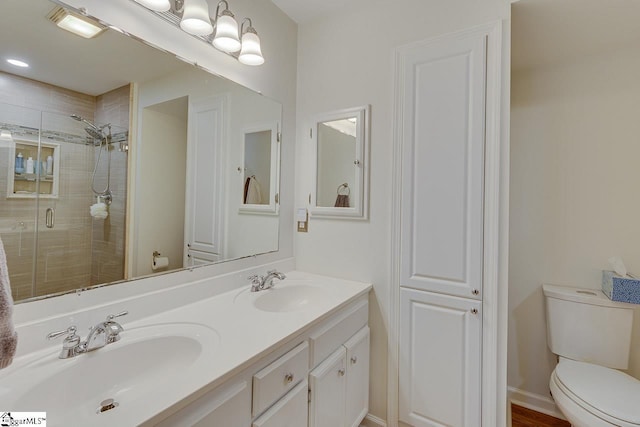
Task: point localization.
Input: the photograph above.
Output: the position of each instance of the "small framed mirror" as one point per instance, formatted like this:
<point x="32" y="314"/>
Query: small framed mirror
<point x="341" y="147"/>
<point x="261" y="169"/>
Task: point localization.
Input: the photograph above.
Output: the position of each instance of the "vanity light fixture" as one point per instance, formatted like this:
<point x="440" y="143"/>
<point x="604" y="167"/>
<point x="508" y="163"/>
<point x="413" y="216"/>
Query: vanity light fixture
<point x="220" y="30"/>
<point x="195" y="18"/>
<point x="226" y="36"/>
<point x="17" y="63"/>
<point x="75" y="23"/>
<point x="251" y="53"/>
<point x="156" y="5"/>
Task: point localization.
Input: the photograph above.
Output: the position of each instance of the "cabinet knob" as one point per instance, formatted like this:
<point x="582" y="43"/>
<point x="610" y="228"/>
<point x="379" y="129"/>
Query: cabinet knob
<point x="288" y="379"/>
<point x="341" y="372"/>
<point x="474" y="311"/>
<point x="354" y="360"/>
<point x="475" y="292"/>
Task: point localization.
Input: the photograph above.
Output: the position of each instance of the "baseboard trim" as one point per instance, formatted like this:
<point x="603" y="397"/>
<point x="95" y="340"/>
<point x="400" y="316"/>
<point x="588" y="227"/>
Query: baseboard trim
<point x="535" y="402"/>
<point x="373" y="421"/>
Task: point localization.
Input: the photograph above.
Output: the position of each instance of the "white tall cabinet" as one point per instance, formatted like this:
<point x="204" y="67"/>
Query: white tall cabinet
<point x="442" y="96"/>
<point x="204" y="231"/>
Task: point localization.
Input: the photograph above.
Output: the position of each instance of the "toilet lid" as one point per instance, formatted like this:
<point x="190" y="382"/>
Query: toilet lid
<point x="607" y="390"/>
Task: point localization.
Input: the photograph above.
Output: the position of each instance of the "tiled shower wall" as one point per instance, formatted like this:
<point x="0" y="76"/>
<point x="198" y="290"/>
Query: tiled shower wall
<point x="108" y="235"/>
<point x="62" y="251"/>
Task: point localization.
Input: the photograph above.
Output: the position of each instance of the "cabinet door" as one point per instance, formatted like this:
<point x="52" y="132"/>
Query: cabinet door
<point x="440" y="366"/>
<point x="357" y="378"/>
<point x="229" y="405"/>
<point x="443" y="105"/>
<point x="290" y="411"/>
<point x="327" y="383"/>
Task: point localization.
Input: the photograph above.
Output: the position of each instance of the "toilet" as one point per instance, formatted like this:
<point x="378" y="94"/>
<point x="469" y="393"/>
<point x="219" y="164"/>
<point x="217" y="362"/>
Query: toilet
<point x="591" y="335"/>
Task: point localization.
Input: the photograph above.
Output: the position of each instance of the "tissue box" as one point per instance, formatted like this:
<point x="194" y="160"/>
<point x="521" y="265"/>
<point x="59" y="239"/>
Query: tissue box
<point x="622" y="289"/>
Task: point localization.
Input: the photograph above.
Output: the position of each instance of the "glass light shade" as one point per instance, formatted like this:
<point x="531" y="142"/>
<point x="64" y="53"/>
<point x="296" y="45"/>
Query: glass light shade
<point x="157" y="5"/>
<point x="226" y="38"/>
<point x="79" y="26"/>
<point x="251" y="53"/>
<point x="195" y="18"/>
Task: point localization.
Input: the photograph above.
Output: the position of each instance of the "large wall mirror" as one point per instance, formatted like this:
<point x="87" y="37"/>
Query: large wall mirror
<point x="118" y="161"/>
<point x="340" y="145"/>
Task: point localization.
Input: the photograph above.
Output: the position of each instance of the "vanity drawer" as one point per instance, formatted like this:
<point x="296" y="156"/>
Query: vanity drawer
<point x="338" y="330"/>
<point x="273" y="381"/>
<point x="291" y="411"/>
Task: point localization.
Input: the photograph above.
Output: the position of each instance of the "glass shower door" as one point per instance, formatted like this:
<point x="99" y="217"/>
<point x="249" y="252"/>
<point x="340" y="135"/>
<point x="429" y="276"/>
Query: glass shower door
<point x="19" y="143"/>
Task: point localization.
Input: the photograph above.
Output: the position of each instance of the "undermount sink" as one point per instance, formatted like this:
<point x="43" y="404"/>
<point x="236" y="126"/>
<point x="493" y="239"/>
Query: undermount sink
<point x="290" y="298"/>
<point x="132" y="371"/>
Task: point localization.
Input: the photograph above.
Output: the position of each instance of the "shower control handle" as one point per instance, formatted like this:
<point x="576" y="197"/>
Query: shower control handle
<point x="50" y="217"/>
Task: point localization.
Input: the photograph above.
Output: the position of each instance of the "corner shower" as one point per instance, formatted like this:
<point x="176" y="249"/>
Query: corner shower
<point x="53" y="242"/>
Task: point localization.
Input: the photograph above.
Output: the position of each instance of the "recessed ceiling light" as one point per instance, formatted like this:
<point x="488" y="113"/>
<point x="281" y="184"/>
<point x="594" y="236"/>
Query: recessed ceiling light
<point x="75" y="23"/>
<point x="17" y="63"/>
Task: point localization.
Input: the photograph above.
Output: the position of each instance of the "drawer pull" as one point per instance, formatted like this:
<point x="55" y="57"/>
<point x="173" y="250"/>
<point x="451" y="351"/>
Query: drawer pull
<point x="288" y="379"/>
<point x="341" y="372"/>
<point x="354" y="360"/>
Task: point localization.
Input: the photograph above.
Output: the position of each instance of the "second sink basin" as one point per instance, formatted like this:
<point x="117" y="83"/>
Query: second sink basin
<point x="290" y="298"/>
<point x="146" y="362"/>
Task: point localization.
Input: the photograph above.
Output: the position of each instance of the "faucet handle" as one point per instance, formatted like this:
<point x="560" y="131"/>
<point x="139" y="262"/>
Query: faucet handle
<point x="70" y="331"/>
<point x="113" y="316"/>
<point x="255" y="279"/>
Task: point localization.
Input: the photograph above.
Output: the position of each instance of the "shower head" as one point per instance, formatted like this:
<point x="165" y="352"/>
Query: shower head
<point x="94" y="133"/>
<point x="85" y="121"/>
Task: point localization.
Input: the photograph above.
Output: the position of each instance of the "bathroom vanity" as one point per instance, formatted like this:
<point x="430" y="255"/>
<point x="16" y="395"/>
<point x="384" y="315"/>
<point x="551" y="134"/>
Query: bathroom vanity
<point x="293" y="355"/>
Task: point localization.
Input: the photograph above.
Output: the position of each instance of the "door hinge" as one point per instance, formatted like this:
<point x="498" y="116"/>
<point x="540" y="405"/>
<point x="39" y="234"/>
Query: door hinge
<point x="277" y="198"/>
<point x="309" y="198"/>
<point x="309" y="396"/>
<point x="310" y="132"/>
<point x="279" y="136"/>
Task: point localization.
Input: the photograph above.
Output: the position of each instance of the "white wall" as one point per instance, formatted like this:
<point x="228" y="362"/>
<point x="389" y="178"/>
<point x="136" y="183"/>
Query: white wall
<point x="345" y="61"/>
<point x="574" y="184"/>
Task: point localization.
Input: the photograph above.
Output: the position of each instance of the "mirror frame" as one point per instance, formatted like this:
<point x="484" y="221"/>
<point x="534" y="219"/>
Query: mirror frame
<point x="359" y="195"/>
<point x="273" y="207"/>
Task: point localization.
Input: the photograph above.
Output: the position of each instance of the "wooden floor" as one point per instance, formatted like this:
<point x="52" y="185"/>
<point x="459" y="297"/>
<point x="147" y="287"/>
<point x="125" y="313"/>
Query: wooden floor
<point x="523" y="417"/>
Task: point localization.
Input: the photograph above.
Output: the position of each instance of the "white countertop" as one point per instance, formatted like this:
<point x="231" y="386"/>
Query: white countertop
<point x="245" y="335"/>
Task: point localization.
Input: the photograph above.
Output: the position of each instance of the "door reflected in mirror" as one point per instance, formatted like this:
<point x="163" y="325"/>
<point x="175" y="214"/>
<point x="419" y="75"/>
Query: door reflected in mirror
<point x="340" y="174"/>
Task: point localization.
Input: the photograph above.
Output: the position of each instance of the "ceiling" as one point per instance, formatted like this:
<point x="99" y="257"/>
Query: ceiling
<point x="551" y="31"/>
<point x="90" y="66"/>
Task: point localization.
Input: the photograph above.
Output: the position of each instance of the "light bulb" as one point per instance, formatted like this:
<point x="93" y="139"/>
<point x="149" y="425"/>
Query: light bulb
<point x="195" y="18"/>
<point x="251" y="53"/>
<point x="226" y="38"/>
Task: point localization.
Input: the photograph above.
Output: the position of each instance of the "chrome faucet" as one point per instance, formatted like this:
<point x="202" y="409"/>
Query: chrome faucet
<point x="103" y="333"/>
<point x="260" y="283"/>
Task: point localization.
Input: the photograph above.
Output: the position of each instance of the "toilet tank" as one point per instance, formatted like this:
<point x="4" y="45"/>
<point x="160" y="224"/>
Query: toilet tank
<point x="585" y="325"/>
